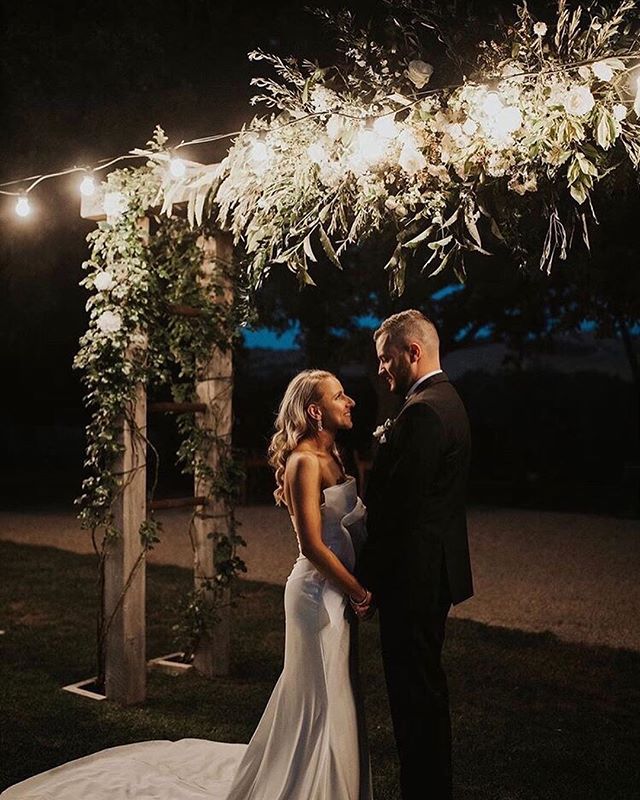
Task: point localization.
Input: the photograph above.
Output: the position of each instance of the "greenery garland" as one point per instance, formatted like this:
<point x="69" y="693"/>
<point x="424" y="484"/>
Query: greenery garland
<point x="368" y="145"/>
<point x="133" y="340"/>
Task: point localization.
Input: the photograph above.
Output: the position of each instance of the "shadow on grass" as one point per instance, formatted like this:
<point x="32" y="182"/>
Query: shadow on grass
<point x="534" y="718"/>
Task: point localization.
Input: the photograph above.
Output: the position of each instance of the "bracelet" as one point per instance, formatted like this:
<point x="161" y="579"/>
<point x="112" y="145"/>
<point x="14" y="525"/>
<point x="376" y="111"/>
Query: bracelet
<point x="362" y="602"/>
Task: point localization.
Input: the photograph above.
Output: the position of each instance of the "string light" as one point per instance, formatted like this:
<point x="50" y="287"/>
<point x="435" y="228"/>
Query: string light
<point x="383" y="125"/>
<point x="87" y="186"/>
<point x="23" y="207"/>
<point x="177" y="167"/>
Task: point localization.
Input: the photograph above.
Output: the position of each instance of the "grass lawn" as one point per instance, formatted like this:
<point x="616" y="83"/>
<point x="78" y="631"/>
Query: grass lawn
<point x="534" y="718"/>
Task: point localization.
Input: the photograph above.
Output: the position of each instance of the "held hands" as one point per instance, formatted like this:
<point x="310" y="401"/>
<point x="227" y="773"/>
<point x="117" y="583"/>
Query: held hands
<point x="364" y="608"/>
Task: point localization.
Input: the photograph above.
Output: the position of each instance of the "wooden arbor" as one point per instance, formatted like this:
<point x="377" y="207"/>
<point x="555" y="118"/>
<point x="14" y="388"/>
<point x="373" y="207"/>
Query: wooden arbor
<point x="124" y="581"/>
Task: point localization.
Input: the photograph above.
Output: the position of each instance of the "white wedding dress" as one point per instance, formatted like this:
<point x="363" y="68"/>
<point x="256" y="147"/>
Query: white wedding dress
<point x="310" y="743"/>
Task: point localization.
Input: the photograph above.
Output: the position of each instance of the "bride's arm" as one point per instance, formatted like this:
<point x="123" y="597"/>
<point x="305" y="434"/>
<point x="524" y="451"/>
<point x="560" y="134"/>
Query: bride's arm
<point x="304" y="484"/>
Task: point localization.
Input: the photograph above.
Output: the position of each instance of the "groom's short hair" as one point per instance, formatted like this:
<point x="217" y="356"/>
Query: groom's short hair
<point x="409" y="326"/>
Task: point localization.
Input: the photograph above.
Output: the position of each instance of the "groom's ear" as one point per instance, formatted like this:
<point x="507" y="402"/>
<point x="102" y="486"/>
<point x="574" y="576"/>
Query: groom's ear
<point x="415" y="352"/>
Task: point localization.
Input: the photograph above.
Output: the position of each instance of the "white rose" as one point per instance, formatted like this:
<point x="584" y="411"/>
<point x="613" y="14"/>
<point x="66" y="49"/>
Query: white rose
<point x="411" y="159"/>
<point x="103" y="281"/>
<point x="470" y="127"/>
<point x="540" y="29"/>
<point x="579" y="101"/>
<point x="323" y="99"/>
<point x="109" y="321"/>
<point x="419" y="73"/>
<point x="619" y="112"/>
<point x="602" y="71"/>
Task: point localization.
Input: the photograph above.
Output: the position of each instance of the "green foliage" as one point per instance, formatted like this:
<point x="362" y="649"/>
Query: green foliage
<point x="133" y="340"/>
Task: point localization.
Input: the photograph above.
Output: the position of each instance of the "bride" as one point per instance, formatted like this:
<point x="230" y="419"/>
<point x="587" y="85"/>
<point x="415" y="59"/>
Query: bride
<point x="310" y="743"/>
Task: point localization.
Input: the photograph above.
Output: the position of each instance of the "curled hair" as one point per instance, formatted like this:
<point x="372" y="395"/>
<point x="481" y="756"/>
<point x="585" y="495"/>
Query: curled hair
<point x="292" y="423"/>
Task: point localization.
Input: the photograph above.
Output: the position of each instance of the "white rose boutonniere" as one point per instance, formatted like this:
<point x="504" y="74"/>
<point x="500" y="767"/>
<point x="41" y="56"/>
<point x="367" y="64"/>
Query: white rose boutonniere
<point x="381" y="431"/>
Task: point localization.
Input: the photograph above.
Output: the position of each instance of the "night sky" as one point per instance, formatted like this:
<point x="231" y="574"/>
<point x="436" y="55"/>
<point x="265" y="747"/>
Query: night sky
<point x="83" y="81"/>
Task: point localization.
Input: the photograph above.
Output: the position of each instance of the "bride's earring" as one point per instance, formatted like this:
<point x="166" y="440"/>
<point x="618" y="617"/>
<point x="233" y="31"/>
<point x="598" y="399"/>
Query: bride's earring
<point x="320" y="425"/>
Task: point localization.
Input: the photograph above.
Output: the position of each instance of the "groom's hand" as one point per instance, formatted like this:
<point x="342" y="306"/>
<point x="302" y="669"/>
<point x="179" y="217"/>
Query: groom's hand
<point x="364" y="610"/>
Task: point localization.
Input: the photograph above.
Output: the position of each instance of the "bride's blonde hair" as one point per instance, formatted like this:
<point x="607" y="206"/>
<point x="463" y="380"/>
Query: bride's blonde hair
<point x="292" y="423"/>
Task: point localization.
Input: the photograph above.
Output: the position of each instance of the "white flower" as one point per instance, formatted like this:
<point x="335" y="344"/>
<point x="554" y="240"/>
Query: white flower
<point x="419" y="73"/>
<point x="411" y="159"/>
<point x="619" y="112"/>
<point x="602" y="70"/>
<point x="103" y="281"/>
<point x="381" y="431"/>
<point x="470" y="126"/>
<point x="323" y="99"/>
<point x="579" y="101"/>
<point x="540" y="29"/>
<point x="109" y="321"/>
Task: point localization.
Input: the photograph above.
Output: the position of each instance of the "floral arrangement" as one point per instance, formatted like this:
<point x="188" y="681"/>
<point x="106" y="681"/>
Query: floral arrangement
<point x="370" y="145"/>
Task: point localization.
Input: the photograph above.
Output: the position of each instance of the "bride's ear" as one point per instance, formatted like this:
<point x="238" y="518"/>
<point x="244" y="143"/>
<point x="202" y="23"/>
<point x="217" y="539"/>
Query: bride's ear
<point x="313" y="413"/>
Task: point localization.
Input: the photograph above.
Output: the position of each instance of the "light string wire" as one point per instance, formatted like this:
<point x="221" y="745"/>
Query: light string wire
<point x="491" y="84"/>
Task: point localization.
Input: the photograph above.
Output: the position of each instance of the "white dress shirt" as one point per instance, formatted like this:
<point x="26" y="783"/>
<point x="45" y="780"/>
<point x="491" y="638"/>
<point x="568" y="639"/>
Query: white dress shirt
<point x="414" y="388"/>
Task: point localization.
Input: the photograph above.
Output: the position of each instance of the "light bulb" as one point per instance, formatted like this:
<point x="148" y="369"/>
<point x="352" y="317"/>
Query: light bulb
<point x="386" y="127"/>
<point x="177" y="167"/>
<point x="259" y="152"/>
<point x="87" y="186"/>
<point x="636" y="102"/>
<point x="371" y="147"/>
<point x="23" y="207"/>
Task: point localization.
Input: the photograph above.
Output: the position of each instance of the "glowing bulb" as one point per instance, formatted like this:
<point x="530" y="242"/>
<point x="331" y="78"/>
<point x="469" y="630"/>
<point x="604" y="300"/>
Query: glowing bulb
<point x="371" y="147"/>
<point x="492" y="104"/>
<point x="23" y="207"/>
<point x="87" y="186"/>
<point x="259" y="152"/>
<point x="177" y="167"/>
<point x="114" y="204"/>
<point x="386" y="127"/>
<point x="508" y="120"/>
<point x="316" y="153"/>
<point x="636" y="102"/>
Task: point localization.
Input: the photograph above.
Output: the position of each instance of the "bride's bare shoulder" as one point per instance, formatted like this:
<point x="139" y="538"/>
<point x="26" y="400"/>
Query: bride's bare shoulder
<point x="302" y="461"/>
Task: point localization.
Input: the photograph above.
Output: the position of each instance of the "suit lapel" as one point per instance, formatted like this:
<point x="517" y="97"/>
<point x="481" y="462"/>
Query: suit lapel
<point x="417" y="396"/>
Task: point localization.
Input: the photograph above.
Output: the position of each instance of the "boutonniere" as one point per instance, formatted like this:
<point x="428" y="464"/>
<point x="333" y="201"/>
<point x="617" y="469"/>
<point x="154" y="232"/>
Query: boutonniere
<point x="381" y="431"/>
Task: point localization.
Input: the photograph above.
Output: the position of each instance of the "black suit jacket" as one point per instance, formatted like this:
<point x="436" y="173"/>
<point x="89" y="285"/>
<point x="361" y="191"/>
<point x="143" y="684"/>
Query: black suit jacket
<point x="415" y="500"/>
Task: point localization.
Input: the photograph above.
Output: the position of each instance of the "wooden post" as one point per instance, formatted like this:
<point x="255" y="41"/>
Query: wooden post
<point x="214" y="388"/>
<point x="124" y="568"/>
<point x="125" y="563"/>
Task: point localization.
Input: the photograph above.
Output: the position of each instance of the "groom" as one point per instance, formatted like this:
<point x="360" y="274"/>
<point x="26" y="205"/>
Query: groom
<point x="416" y="559"/>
